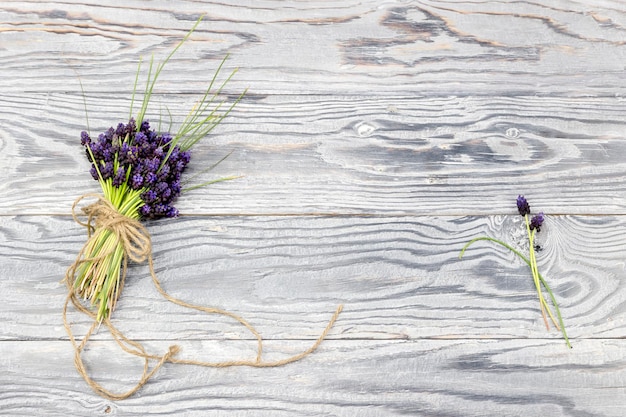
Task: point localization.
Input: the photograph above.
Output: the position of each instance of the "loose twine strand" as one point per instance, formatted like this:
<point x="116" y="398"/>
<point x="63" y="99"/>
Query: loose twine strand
<point x="137" y="246"/>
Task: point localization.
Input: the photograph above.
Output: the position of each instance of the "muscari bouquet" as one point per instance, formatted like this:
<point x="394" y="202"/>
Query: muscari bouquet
<point x="532" y="226"/>
<point x="139" y="170"/>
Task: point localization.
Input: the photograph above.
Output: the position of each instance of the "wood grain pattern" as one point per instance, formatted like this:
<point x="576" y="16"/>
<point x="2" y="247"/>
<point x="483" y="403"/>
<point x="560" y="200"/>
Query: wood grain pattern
<point x="347" y="155"/>
<point x="345" y="378"/>
<point x="355" y="47"/>
<point x="375" y="140"/>
<point x="289" y="273"/>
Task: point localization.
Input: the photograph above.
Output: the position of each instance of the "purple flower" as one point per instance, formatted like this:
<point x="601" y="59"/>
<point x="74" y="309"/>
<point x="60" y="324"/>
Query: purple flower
<point x="140" y="139"/>
<point x="107" y="170"/>
<point x="152" y="165"/>
<point x="151" y="178"/>
<point x="180" y="166"/>
<point x="166" y="195"/>
<point x="137" y="182"/>
<point x="96" y="150"/>
<point x="171" y="212"/>
<point x="160" y="209"/>
<point x="522" y="205"/>
<point x="166" y="138"/>
<point x="131" y="126"/>
<point x="107" y="154"/>
<point x="120" y="177"/>
<point x="145" y="126"/>
<point x="120" y="132"/>
<point x="164" y="172"/>
<point x="536" y="222"/>
<point x="145" y="210"/>
<point x="149" y="196"/>
<point x="145" y="161"/>
<point x="174" y="155"/>
<point x="84" y="138"/>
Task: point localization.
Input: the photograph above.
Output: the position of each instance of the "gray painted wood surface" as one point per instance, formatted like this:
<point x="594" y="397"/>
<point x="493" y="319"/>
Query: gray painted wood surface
<point x="375" y="140"/>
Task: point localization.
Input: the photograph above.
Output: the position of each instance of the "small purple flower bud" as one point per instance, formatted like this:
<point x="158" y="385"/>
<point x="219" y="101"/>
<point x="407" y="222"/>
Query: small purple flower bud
<point x="107" y="155"/>
<point x="121" y="130"/>
<point x="536" y="222"/>
<point x="152" y="165"/>
<point x="145" y="210"/>
<point x="171" y="212"/>
<point x="132" y="154"/>
<point x="96" y="150"/>
<point x="151" y="178"/>
<point x="132" y="125"/>
<point x="108" y="135"/>
<point x="165" y="139"/>
<point x="160" y="210"/>
<point x="180" y="166"/>
<point x="107" y="170"/>
<point x="149" y="196"/>
<point x="84" y="138"/>
<point x="175" y="155"/>
<point x="166" y="194"/>
<point x="160" y="187"/>
<point x="120" y="177"/>
<point x="164" y="172"/>
<point x="522" y="205"/>
<point x="140" y="138"/>
<point x="137" y="181"/>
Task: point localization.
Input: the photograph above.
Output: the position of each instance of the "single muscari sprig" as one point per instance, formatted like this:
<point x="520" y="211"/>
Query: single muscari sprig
<point x="139" y="170"/>
<point x="533" y="226"/>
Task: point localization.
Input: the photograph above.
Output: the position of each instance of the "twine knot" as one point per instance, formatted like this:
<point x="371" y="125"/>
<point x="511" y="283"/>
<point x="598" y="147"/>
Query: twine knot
<point x="130" y="232"/>
<point x="173" y="351"/>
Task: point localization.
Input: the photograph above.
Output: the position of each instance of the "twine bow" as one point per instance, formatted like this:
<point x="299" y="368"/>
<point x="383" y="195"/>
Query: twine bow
<point x="136" y="242"/>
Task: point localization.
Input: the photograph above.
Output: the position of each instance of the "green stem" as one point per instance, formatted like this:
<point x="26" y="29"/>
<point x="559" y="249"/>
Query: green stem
<point x="534" y="271"/>
<point x="527" y="261"/>
<point x="157" y="71"/>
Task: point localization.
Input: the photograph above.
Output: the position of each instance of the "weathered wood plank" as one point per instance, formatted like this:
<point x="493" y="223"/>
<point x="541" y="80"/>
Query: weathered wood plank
<point x="411" y="125"/>
<point x="344" y="378"/>
<point x="355" y="47"/>
<point x="359" y="155"/>
<point x="399" y="277"/>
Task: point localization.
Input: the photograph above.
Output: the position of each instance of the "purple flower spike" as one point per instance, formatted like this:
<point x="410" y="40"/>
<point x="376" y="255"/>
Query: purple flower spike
<point x="536" y="222"/>
<point x="84" y="138"/>
<point x="522" y="205"/>
<point x="137" y="182"/>
<point x="145" y="210"/>
<point x="120" y="177"/>
<point x="171" y="212"/>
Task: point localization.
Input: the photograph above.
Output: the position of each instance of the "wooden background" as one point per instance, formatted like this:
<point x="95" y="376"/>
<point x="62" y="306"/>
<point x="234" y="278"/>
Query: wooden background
<point x="375" y="140"/>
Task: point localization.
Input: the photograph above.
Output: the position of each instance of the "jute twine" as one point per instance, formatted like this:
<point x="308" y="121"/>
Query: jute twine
<point x="135" y="239"/>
